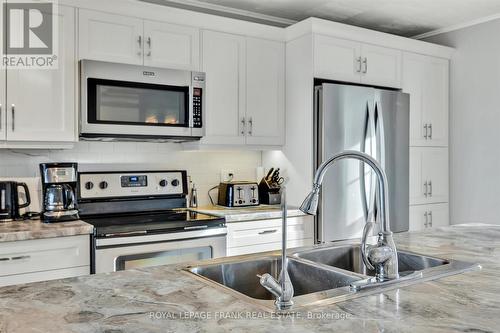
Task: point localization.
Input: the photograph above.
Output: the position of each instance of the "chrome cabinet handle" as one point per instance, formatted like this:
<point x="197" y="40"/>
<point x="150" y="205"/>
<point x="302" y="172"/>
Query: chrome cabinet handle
<point x="365" y="63"/>
<point x="426" y="191"/>
<point x="139" y="40"/>
<point x="265" y="232"/>
<point x="430" y="188"/>
<point x="430" y="131"/>
<point x="426" y="129"/>
<point x="426" y="215"/>
<point x="243" y="126"/>
<point x="430" y="217"/>
<point x="148" y="41"/>
<point x="13" y="110"/>
<point x="358" y="68"/>
<point x="250" y="127"/>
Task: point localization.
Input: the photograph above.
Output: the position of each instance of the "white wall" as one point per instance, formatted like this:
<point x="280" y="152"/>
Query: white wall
<point x="474" y="123"/>
<point x="203" y="167"/>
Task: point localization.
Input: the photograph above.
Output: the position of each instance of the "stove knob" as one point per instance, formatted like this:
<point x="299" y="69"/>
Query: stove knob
<point x="163" y="183"/>
<point x="89" y="185"/>
<point x="175" y="182"/>
<point x="103" y="185"/>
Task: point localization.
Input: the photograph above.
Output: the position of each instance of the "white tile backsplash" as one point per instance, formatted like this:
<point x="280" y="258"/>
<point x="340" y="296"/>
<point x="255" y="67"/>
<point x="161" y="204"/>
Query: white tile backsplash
<point x="203" y="167"/>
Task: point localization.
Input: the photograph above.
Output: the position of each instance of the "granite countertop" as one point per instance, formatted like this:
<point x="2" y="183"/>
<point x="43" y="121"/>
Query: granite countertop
<point x="261" y="212"/>
<point x="164" y="299"/>
<point x="36" y="229"/>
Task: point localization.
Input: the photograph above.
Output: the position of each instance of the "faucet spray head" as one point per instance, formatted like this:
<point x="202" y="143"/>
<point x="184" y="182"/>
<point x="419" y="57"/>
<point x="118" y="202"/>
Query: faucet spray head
<point x="310" y="203"/>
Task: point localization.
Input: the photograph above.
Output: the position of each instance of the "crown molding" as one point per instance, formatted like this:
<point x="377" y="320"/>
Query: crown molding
<point x="458" y="26"/>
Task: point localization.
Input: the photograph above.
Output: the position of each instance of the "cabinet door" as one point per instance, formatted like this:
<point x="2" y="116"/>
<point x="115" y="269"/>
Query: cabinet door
<point x="172" y="46"/>
<point x="381" y="66"/>
<point x="42" y="102"/>
<point x="435" y="172"/>
<point x="426" y="80"/>
<point x="429" y="216"/>
<point x="224" y="62"/>
<point x="428" y="175"/>
<point x="265" y="111"/>
<point x="3" y="106"/>
<point x="337" y="59"/>
<point x="108" y="37"/>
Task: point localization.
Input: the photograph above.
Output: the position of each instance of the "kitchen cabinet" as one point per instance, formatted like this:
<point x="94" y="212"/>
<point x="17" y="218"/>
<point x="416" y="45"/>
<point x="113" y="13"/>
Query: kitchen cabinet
<point x="245" y="90"/>
<point x="224" y="62"/>
<point x="426" y="79"/>
<point x="171" y="46"/>
<point x="44" y="259"/>
<point x="345" y="60"/>
<point x="429" y="181"/>
<point x="116" y="38"/>
<point x="265" y="96"/>
<point x="429" y="216"/>
<point x="265" y="235"/>
<point x="40" y="103"/>
<point x="109" y="37"/>
<point x="3" y="99"/>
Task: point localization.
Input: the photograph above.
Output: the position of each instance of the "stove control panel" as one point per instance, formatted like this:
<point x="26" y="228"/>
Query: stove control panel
<point x="93" y="185"/>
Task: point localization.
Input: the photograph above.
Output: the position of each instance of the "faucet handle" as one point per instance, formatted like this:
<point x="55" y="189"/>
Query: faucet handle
<point x="364" y="247"/>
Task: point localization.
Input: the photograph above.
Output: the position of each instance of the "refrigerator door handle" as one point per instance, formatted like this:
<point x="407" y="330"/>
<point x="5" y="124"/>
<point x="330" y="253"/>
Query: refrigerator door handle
<point x="362" y="175"/>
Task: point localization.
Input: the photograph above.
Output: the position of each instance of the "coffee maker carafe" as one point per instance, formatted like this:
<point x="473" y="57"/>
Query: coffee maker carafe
<point x="59" y="183"/>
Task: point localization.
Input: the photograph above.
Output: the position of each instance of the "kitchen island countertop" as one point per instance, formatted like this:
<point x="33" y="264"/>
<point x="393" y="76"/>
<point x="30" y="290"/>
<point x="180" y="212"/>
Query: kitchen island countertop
<point x="165" y="299"/>
<point x="36" y="229"/>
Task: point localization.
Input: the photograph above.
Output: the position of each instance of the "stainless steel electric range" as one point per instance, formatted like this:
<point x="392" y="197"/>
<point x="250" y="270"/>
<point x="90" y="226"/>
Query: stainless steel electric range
<point x="140" y="220"/>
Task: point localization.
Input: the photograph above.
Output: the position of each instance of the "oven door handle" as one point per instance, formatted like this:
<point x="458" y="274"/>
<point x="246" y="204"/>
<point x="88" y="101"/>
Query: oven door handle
<point x="166" y="237"/>
<point x="196" y="227"/>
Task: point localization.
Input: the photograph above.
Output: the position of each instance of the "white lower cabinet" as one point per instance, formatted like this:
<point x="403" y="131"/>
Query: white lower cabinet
<point x="44" y="259"/>
<point x="429" y="216"/>
<point x="265" y="235"/>
<point x="428" y="175"/>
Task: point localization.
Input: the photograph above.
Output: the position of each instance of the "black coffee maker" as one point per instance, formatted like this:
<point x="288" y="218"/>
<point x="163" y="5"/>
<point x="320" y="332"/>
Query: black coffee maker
<point x="59" y="183"/>
<point x="9" y="200"/>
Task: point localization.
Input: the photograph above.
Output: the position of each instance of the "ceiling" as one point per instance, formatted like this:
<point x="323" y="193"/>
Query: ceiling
<point x="401" y="17"/>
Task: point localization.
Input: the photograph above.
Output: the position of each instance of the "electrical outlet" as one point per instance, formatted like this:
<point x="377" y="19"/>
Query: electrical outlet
<point x="226" y="175"/>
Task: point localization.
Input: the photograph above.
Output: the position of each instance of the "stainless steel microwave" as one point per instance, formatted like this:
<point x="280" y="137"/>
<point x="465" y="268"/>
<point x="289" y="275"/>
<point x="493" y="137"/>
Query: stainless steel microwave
<point x="128" y="102"/>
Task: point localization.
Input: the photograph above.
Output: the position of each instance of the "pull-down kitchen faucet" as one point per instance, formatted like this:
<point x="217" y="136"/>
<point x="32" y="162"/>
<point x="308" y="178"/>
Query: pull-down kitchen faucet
<point x="382" y="257"/>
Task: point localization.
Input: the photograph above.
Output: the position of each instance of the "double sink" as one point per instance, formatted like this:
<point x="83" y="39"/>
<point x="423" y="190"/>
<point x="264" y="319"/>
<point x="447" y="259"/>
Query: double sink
<point x="320" y="275"/>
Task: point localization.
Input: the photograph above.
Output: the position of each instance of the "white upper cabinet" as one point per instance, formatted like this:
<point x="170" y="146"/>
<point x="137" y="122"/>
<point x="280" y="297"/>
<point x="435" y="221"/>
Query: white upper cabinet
<point x="265" y="73"/>
<point x="349" y="61"/>
<point x="426" y="79"/>
<point x="429" y="216"/>
<point x="114" y="38"/>
<point x="108" y="37"/>
<point x="224" y="62"/>
<point x="41" y="103"/>
<point x="245" y="90"/>
<point x="428" y="175"/>
<point x="173" y="46"/>
<point x="337" y="59"/>
<point x="380" y="66"/>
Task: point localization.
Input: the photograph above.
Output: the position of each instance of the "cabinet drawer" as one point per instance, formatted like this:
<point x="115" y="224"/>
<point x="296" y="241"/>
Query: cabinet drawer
<point x="236" y="251"/>
<point x="44" y="254"/>
<point x="44" y="276"/>
<point x="268" y="231"/>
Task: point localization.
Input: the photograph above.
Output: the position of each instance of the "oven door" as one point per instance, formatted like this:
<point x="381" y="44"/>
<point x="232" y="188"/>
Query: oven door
<point x="121" y="253"/>
<point x="126" y="101"/>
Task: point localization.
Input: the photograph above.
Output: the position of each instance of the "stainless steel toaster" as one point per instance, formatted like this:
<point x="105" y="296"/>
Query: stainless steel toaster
<point x="238" y="194"/>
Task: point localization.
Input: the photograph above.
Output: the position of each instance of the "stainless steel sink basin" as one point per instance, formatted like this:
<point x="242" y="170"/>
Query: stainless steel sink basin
<point x="320" y="275"/>
<point x="242" y="276"/>
<point x="349" y="258"/>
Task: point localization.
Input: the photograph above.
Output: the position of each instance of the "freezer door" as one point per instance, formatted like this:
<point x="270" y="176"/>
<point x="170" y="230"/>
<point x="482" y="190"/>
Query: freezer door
<point x="372" y="121"/>
<point x="344" y="122"/>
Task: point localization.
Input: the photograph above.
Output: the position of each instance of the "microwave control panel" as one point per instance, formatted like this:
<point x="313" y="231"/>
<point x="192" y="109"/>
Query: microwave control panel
<point x="198" y="82"/>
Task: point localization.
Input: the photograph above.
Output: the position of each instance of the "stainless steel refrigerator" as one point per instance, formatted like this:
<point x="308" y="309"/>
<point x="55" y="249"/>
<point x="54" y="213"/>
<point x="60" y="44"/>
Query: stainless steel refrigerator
<point x="374" y="121"/>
